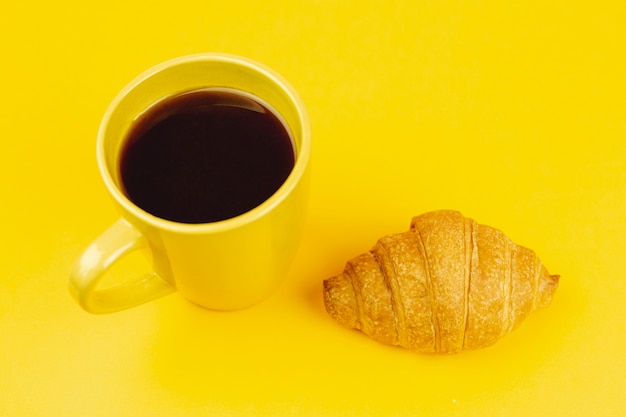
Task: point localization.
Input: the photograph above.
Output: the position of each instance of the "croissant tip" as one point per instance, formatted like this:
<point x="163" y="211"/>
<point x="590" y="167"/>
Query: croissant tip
<point x="339" y="300"/>
<point x="547" y="288"/>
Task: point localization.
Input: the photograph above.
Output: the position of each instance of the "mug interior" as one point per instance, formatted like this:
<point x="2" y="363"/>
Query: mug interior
<point x="190" y="73"/>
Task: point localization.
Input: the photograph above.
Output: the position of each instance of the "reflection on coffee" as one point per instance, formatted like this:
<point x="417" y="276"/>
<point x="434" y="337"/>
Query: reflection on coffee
<point x="205" y="155"/>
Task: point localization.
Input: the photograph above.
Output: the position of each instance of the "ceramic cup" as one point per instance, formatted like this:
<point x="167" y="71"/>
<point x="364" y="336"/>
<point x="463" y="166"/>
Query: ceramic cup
<point x="225" y="265"/>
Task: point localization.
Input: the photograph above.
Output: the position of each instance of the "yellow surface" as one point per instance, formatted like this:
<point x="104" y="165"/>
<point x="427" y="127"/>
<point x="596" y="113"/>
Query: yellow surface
<point x="512" y="112"/>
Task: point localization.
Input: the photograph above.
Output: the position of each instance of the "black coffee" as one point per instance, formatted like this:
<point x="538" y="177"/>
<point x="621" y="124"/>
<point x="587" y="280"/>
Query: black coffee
<point x="205" y="155"/>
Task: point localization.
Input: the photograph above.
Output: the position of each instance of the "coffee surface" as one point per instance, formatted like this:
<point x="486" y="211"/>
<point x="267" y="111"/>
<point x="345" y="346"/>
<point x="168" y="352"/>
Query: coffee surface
<point x="205" y="155"/>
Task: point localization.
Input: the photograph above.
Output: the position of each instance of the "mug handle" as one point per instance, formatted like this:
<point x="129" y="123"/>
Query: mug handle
<point x="120" y="239"/>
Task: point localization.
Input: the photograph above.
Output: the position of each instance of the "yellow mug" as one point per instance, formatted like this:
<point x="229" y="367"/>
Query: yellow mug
<point x="225" y="265"/>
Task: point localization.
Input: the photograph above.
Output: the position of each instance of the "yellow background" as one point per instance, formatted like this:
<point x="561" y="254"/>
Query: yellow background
<point x="512" y="112"/>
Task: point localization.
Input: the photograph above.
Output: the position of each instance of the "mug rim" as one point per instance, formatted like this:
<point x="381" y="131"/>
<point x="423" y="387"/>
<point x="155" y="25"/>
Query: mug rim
<point x="296" y="174"/>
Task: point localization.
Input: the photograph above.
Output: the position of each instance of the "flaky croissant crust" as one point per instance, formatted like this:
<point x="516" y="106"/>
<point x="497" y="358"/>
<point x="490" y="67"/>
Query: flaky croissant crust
<point x="445" y="285"/>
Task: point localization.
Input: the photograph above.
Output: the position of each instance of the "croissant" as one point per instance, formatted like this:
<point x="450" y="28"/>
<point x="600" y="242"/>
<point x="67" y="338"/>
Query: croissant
<point x="447" y="284"/>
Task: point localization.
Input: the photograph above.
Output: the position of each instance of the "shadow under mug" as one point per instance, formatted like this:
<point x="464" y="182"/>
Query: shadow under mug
<point x="225" y="265"/>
